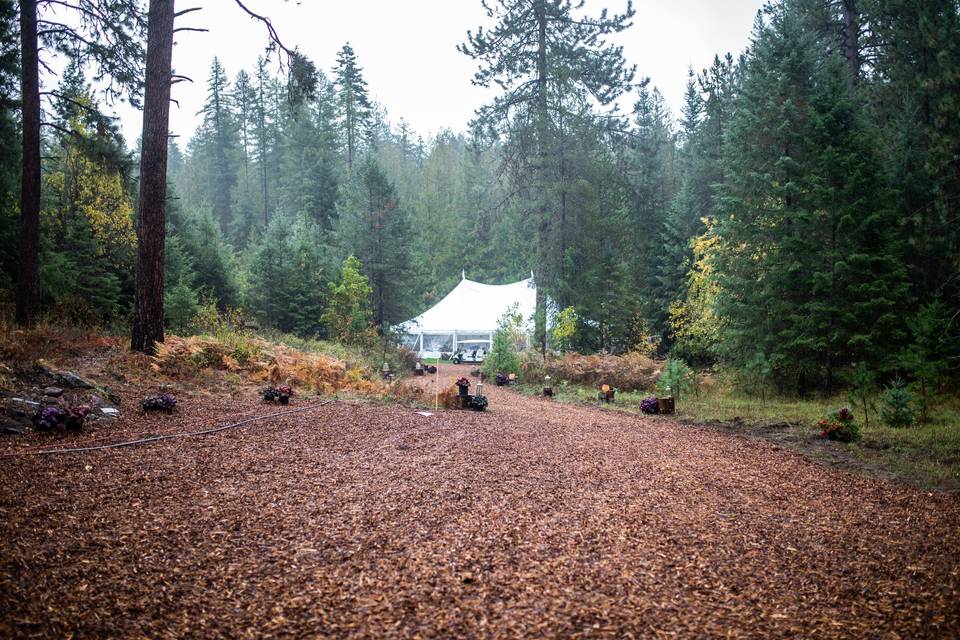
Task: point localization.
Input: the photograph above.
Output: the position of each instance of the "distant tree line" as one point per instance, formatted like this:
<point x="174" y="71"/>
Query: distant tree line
<point x="800" y="213"/>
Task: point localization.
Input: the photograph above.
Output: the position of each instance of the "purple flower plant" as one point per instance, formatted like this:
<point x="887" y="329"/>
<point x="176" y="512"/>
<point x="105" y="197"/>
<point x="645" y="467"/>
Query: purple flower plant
<point x="162" y="402"/>
<point x="650" y="405"/>
<point x="56" y="418"/>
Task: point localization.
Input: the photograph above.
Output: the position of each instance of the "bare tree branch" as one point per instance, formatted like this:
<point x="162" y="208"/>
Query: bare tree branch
<point x="274" y="36"/>
<point x="63" y="130"/>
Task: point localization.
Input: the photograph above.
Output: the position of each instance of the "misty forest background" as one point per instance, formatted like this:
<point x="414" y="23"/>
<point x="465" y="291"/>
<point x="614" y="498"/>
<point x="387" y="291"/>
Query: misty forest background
<point x="798" y="215"/>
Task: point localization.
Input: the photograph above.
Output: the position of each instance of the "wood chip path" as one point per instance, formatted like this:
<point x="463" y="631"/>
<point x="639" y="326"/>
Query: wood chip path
<point x="535" y="519"/>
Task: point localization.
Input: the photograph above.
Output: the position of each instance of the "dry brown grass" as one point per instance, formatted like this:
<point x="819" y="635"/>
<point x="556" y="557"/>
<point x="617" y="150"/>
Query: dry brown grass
<point x="260" y="361"/>
<point x="630" y="372"/>
<point x="23" y="346"/>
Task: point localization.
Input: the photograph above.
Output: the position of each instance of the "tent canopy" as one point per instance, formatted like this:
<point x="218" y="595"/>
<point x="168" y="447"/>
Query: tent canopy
<point x="469" y="312"/>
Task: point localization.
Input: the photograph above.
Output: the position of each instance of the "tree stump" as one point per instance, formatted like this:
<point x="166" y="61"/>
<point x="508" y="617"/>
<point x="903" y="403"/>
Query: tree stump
<point x="666" y="405"/>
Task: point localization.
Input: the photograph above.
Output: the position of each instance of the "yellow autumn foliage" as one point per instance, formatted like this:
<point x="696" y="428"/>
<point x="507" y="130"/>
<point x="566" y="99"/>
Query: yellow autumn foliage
<point x="81" y="186"/>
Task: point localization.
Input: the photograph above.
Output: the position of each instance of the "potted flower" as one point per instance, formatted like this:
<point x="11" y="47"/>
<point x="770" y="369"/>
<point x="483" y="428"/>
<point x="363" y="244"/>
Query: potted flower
<point x="606" y="393"/>
<point x="839" y="425"/>
<point x="479" y="403"/>
<point x="650" y="405"/>
<point x="76" y="417"/>
<point x="280" y="394"/>
<point x="463" y="385"/>
<point x="56" y="418"/>
<point x="163" y="402"/>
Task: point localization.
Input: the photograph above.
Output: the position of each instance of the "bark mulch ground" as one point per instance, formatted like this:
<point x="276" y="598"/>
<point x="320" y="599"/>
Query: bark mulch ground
<point x="533" y="519"/>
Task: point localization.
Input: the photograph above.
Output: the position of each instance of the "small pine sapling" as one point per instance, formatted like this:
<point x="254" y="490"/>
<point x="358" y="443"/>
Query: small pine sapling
<point x="676" y="379"/>
<point x="863" y="391"/>
<point x="896" y="405"/>
<point x="928" y="356"/>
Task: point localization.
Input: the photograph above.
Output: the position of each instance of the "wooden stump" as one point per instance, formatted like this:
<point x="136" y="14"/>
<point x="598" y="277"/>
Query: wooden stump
<point x="666" y="405"/>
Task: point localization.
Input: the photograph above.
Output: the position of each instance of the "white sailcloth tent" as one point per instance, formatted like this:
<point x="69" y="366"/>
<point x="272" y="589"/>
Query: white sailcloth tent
<point x="469" y="312"/>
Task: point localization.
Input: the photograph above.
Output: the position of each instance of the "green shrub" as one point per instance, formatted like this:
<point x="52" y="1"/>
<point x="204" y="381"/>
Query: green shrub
<point x="756" y="376"/>
<point x="897" y="406"/>
<point x="676" y="379"/>
<point x="564" y="329"/>
<point x="229" y="327"/>
<point x="348" y="315"/>
<point x="503" y="356"/>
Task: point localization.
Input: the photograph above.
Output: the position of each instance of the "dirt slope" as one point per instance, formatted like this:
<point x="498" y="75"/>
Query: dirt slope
<point x="534" y="519"/>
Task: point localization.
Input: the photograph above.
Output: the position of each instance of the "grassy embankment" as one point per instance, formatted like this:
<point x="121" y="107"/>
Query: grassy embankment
<point x="926" y="455"/>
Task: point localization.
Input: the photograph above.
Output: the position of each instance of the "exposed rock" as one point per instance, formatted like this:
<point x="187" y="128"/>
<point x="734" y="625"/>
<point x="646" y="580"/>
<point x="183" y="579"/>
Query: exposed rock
<point x="109" y="412"/>
<point x="111" y="396"/>
<point x="71" y="380"/>
<point x="10" y="426"/>
<point x="22" y="408"/>
<point x="98" y="402"/>
<point x="53" y="392"/>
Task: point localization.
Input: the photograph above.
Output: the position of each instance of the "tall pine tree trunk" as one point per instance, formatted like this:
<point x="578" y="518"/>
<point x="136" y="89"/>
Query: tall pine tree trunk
<point x="540" y="318"/>
<point x="151" y="230"/>
<point x="28" y="294"/>
<point x="851" y="43"/>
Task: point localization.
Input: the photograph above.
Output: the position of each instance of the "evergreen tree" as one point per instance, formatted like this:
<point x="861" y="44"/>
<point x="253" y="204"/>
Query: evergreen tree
<point x="87" y="218"/>
<point x="552" y="65"/>
<point x="218" y="144"/>
<point x="242" y="98"/>
<point x="308" y="184"/>
<point x="212" y="258"/>
<point x="9" y="146"/>
<point x="288" y="277"/>
<point x="147" y="329"/>
<point x="181" y="300"/>
<point x="692" y="204"/>
<point x="650" y="166"/>
<point x="355" y="106"/>
<point x="376" y="229"/>
<point x="809" y="263"/>
<point x="109" y="37"/>
<point x="246" y="197"/>
<point x="914" y="49"/>
<point x="270" y="113"/>
<point x="348" y="316"/>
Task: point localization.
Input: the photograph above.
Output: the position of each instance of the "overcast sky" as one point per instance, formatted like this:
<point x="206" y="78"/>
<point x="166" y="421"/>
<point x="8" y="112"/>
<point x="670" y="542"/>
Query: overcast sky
<point x="407" y="49"/>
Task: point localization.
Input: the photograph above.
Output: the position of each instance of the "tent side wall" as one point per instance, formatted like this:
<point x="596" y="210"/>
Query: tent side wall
<point x="431" y="344"/>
